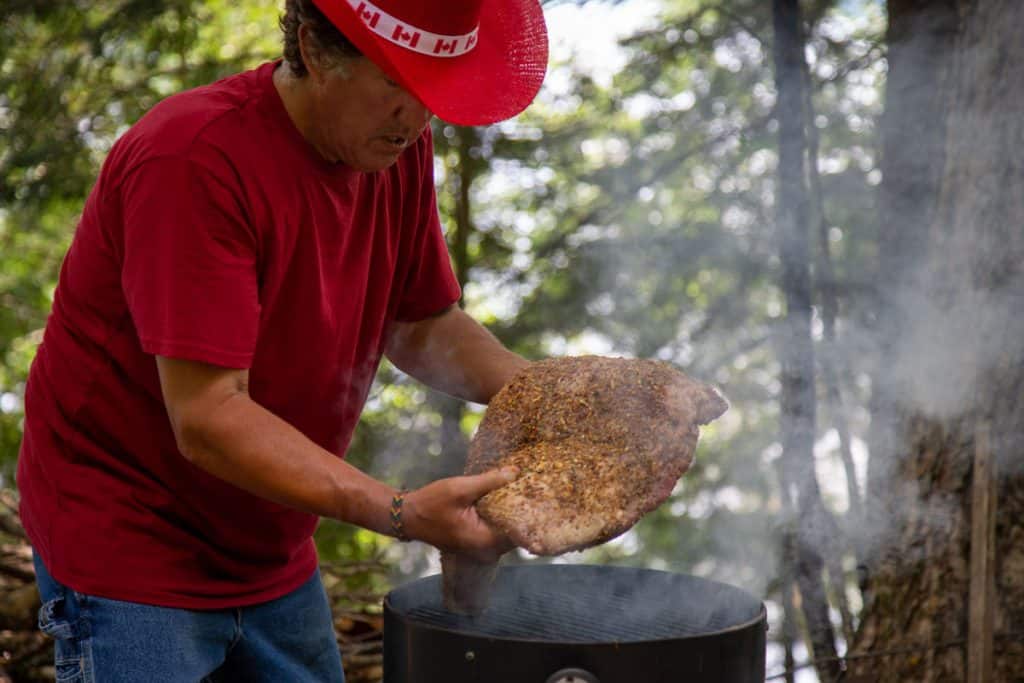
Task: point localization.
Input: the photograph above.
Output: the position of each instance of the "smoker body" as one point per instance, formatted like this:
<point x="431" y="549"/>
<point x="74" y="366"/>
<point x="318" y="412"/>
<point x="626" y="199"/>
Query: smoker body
<point x="578" y="624"/>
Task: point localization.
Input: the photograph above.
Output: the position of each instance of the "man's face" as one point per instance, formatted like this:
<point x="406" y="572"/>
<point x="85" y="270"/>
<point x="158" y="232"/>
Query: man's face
<point x="363" y="118"/>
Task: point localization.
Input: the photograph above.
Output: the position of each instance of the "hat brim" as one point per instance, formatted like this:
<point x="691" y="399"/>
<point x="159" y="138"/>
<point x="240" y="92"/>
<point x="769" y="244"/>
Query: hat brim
<point x="495" y="81"/>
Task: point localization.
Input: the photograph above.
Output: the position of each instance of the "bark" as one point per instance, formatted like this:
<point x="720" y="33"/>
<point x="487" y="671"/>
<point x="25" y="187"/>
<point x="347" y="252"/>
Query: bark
<point x="795" y="346"/>
<point x="952" y="255"/>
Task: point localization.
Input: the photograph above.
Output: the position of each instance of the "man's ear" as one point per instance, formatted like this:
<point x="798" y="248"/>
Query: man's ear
<point x="312" y="54"/>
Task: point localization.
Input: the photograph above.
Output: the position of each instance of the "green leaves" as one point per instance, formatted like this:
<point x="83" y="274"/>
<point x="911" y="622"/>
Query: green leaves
<point x="626" y="213"/>
<point x="73" y="76"/>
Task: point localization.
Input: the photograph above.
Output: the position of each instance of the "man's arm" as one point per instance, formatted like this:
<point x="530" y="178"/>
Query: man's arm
<point x="453" y="353"/>
<point x="221" y="430"/>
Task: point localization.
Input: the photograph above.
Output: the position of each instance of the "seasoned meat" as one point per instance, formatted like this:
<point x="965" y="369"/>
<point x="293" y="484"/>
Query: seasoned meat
<point x="599" y="442"/>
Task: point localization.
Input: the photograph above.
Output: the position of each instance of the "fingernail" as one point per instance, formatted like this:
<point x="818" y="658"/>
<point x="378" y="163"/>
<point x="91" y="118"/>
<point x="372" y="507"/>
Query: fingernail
<point x="511" y="473"/>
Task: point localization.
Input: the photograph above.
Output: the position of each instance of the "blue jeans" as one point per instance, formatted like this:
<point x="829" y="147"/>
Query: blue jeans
<point x="290" y="639"/>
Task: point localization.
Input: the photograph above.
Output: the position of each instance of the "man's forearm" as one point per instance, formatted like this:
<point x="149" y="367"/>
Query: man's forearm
<point x="220" y="429"/>
<point x="245" y="444"/>
<point x="455" y="354"/>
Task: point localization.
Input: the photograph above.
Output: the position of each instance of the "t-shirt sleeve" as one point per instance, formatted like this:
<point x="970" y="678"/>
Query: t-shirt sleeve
<point x="430" y="284"/>
<point x="189" y="271"/>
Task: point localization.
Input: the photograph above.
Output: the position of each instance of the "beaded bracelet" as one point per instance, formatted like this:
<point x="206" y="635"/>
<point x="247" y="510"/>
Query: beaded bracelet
<point x="396" y="516"/>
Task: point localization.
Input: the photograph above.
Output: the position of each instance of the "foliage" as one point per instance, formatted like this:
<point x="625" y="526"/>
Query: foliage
<point x="633" y="214"/>
<point x="73" y="76"/>
<point x="626" y="213"/>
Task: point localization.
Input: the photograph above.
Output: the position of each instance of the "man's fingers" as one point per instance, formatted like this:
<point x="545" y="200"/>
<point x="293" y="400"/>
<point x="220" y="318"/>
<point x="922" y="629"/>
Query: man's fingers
<point x="443" y="514"/>
<point x="479" y="485"/>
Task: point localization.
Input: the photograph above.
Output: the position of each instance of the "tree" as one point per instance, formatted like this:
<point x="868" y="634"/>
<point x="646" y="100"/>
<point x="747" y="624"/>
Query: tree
<point x="809" y="523"/>
<point x="948" y="385"/>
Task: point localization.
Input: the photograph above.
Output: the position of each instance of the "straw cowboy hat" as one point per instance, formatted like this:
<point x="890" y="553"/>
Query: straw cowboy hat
<point x="471" y="62"/>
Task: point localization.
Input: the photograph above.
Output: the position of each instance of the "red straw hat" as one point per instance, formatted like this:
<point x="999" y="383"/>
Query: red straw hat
<point x="471" y="62"/>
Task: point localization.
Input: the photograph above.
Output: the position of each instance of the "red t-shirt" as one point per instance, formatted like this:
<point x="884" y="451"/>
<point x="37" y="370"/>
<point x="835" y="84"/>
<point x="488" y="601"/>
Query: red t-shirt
<point x="214" y="233"/>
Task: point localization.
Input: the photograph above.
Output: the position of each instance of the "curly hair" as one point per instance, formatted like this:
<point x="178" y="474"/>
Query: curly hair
<point x="327" y="39"/>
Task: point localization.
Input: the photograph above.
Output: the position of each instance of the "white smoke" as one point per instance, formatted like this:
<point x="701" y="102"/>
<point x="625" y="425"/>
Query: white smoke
<point x="951" y="345"/>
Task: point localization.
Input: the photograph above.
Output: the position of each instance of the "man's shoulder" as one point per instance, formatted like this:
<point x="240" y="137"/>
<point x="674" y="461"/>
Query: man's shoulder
<point x="190" y="111"/>
<point x="216" y="112"/>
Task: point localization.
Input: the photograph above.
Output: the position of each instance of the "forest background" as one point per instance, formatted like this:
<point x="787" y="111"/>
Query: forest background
<point x="812" y="205"/>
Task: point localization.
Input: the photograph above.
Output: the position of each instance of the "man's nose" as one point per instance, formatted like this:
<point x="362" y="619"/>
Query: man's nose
<point x="412" y="112"/>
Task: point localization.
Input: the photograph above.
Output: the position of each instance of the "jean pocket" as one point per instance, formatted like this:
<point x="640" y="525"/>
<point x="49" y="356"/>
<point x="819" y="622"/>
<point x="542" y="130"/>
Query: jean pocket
<point x="68" y="631"/>
<point x="54" y="620"/>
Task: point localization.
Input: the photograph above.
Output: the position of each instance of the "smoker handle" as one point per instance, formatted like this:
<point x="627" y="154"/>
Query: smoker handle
<point x="572" y="676"/>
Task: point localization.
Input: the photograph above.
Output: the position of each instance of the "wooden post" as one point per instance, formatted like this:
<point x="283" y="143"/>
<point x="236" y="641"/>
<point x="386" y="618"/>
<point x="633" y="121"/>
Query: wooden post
<point x="981" y="610"/>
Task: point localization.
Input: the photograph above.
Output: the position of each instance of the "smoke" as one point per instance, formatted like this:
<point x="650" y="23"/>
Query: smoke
<point x="674" y="277"/>
<point x="951" y="346"/>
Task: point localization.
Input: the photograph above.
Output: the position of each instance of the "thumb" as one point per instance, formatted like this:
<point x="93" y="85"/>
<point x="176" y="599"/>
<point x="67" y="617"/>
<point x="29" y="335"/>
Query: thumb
<point x="479" y="485"/>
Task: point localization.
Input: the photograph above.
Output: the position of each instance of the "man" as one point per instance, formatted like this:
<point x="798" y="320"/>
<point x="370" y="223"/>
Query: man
<point x="249" y="252"/>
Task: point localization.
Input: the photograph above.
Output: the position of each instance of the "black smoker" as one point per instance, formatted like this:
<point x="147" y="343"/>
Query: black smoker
<point x="578" y="624"/>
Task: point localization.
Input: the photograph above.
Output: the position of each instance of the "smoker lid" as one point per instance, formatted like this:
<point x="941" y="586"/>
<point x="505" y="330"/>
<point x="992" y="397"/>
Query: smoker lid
<point x="585" y="604"/>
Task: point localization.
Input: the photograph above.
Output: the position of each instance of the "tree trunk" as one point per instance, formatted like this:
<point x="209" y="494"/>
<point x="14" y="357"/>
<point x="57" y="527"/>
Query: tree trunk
<point x="952" y="340"/>
<point x="801" y="493"/>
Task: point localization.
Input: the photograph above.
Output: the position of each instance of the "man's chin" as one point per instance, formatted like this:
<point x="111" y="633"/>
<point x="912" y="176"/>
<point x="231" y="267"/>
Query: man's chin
<point x="372" y="163"/>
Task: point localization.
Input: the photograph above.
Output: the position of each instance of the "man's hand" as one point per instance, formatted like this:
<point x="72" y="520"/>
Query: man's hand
<point x="443" y="515"/>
